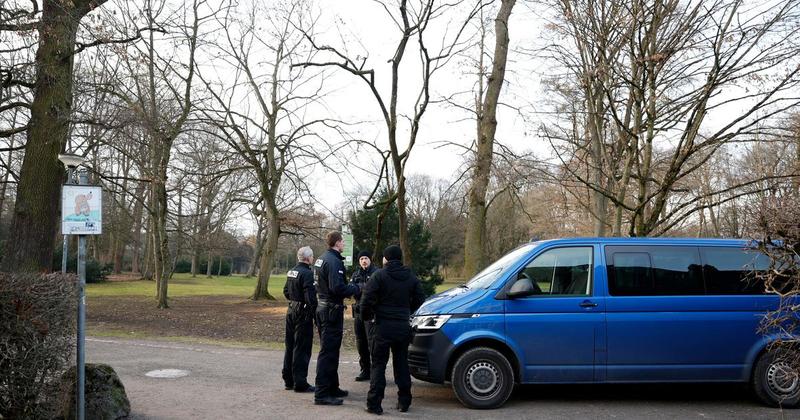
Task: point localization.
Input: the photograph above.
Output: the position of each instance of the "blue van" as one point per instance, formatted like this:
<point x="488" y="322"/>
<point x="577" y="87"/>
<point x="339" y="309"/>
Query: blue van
<point x="604" y="310"/>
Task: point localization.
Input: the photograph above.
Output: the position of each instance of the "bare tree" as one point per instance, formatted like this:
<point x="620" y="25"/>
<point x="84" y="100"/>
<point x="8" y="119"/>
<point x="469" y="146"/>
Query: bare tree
<point x="657" y="90"/>
<point x="260" y="108"/>
<point x="157" y="89"/>
<point x="47" y="130"/>
<point x="413" y="21"/>
<point x="486" y="103"/>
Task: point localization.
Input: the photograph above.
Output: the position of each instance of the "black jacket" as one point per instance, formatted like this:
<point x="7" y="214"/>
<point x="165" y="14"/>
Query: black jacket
<point x="361" y="276"/>
<point x="392" y="293"/>
<point x="329" y="278"/>
<point x="299" y="285"/>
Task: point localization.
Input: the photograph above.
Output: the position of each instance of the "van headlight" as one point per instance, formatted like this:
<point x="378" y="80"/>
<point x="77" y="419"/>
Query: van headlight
<point x="429" y="322"/>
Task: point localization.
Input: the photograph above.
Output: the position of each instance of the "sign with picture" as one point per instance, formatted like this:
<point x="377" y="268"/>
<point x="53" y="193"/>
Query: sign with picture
<point x="348" y="246"/>
<point x="81" y="210"/>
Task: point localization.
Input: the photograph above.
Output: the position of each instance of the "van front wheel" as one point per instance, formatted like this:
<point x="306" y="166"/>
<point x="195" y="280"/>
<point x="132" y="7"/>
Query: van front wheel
<point x="776" y="380"/>
<point x="482" y="378"/>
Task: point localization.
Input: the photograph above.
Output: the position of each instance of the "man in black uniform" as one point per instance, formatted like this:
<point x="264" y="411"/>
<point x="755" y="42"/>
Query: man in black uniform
<point x="391" y="295"/>
<point x="360" y="277"/>
<point x="329" y="278"/>
<point x="302" y="296"/>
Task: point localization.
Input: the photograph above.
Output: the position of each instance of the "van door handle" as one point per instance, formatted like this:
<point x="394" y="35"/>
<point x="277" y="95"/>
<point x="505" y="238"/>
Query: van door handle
<point x="588" y="304"/>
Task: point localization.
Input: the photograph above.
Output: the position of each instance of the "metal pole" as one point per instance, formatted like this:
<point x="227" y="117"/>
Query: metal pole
<point x="65" y="248"/>
<point x="64" y="251"/>
<point x="83" y="179"/>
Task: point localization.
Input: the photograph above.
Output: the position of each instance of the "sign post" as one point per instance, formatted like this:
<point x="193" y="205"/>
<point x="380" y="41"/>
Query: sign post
<point x="347" y="236"/>
<point x="81" y="214"/>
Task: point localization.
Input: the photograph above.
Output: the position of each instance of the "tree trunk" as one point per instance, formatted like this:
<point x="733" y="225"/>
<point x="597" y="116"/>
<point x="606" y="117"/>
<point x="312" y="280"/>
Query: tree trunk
<point x="36" y="210"/>
<point x="119" y="253"/>
<point x="209" y="263"/>
<point x="5" y="178"/>
<point x="195" y="261"/>
<point x="475" y="233"/>
<point x="162" y="255"/>
<point x="402" y="219"/>
<point x="257" y="252"/>
<point x="268" y="255"/>
<point x="138" y="210"/>
<point x="147" y="269"/>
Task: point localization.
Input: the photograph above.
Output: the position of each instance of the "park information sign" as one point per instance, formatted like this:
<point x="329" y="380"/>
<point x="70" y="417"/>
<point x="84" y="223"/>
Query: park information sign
<point x="81" y="210"/>
<point x="348" y="245"/>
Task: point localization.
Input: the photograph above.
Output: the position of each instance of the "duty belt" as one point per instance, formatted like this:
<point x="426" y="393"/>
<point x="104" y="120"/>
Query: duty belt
<point x="302" y="305"/>
<point x="325" y="303"/>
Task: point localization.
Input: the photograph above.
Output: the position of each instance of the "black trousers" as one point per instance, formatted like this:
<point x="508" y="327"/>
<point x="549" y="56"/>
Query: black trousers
<point x="394" y="336"/>
<point x="362" y="343"/>
<point x="330" y="319"/>
<point x="299" y="337"/>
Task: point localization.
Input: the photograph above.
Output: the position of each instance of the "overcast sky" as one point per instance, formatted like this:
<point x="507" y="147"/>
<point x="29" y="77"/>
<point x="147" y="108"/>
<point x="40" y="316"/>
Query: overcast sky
<point x="364" y="25"/>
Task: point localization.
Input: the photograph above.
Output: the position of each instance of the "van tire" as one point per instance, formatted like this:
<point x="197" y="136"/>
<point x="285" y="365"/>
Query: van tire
<point x="482" y="378"/>
<point x="770" y="383"/>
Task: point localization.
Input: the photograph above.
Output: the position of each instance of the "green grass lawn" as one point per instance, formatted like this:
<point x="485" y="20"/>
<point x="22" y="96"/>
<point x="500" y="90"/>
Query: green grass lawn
<point x="449" y="284"/>
<point x="185" y="285"/>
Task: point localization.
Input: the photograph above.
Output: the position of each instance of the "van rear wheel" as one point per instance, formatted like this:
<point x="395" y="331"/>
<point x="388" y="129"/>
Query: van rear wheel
<point x="482" y="378"/>
<point x="776" y="380"/>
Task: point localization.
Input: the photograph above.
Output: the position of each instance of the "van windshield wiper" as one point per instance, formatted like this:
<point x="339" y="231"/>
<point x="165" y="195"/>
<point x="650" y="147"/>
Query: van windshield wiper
<point x="463" y="286"/>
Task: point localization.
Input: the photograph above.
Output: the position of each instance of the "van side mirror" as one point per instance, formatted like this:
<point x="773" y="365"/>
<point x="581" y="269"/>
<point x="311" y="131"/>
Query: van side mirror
<point x="521" y="288"/>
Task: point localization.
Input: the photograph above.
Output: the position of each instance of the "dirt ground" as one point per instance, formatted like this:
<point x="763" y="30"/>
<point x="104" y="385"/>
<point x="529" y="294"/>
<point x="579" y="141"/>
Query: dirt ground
<point x="223" y="318"/>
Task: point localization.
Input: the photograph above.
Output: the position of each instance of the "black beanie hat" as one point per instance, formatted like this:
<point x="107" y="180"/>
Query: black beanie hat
<point x="393" y="253"/>
<point x="364" y="254"/>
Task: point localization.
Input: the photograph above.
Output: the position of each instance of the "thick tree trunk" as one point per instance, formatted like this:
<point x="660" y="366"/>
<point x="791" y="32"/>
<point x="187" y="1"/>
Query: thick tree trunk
<point x="209" y="263"/>
<point x="36" y="211"/>
<point x="268" y="255"/>
<point x="147" y="267"/>
<point x="475" y="232"/>
<point x="257" y="252"/>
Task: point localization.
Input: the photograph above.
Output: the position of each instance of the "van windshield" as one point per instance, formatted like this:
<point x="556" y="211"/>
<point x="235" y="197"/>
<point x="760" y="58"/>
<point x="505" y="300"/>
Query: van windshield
<point x="486" y="277"/>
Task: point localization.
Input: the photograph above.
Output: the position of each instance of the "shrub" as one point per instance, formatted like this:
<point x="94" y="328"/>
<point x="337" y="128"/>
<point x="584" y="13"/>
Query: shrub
<point x="96" y="272"/>
<point x="430" y="282"/>
<point x="183" y="266"/>
<point x="37" y="327"/>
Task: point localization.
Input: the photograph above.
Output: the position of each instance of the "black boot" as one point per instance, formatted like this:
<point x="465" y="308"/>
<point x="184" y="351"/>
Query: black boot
<point x="371" y="410"/>
<point x="328" y="401"/>
<point x="339" y="393"/>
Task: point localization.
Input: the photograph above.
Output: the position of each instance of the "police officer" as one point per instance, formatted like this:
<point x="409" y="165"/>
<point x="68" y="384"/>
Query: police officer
<point x="389" y="298"/>
<point x="360" y="277"/>
<point x="302" y="296"/>
<point x="329" y="277"/>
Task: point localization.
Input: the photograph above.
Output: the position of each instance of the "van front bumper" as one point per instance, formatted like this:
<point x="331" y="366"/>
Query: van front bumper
<point x="428" y="354"/>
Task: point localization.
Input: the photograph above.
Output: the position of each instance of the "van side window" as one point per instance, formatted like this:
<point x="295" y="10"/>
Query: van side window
<point x="729" y="271"/>
<point x="632" y="274"/>
<point x="654" y="271"/>
<point x="561" y="271"/>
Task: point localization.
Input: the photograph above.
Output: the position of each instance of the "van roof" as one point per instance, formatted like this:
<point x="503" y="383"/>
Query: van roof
<point x="650" y="241"/>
